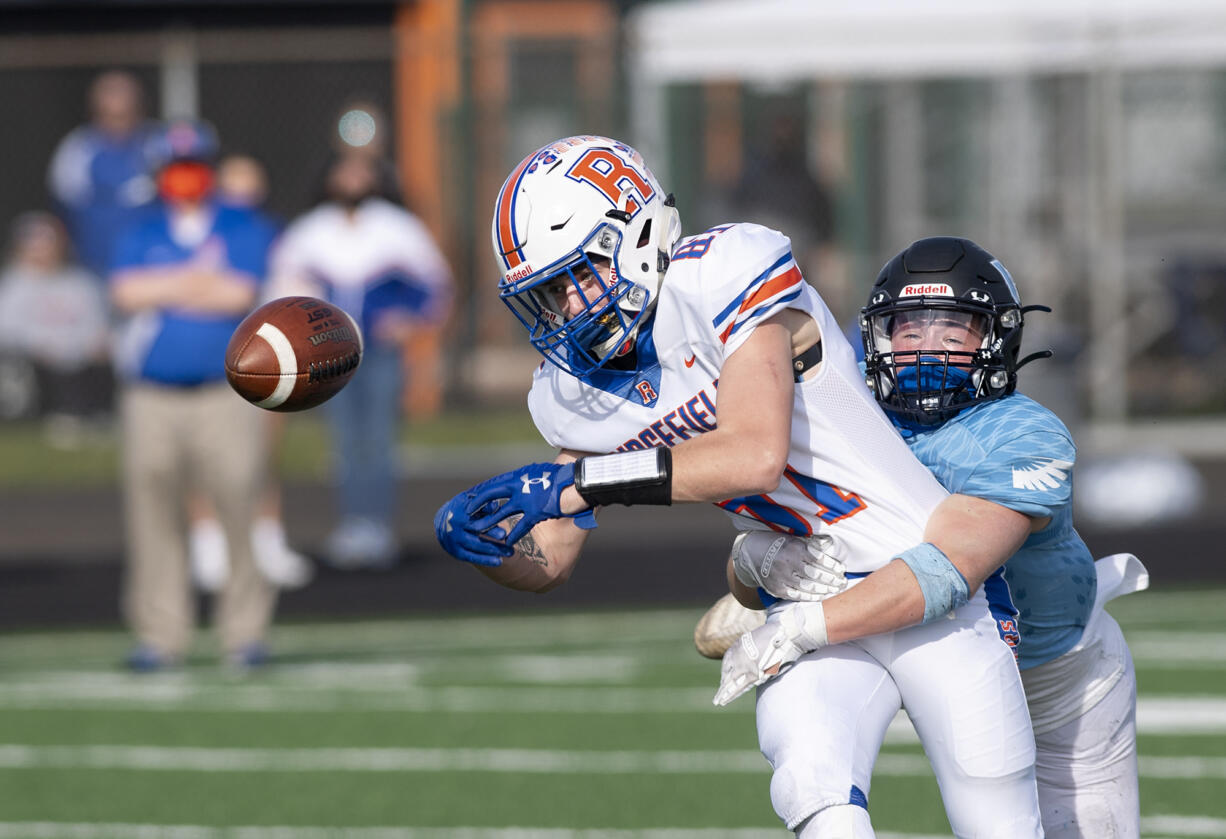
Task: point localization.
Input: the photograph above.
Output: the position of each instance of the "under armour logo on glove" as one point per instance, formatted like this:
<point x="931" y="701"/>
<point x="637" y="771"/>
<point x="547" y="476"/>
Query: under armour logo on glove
<point x="539" y="498"/>
<point x="543" y="481"/>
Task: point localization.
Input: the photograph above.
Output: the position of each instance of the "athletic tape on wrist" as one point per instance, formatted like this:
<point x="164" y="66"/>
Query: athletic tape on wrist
<point x="638" y="477"/>
<point x="805" y="625"/>
<point x="943" y="585"/>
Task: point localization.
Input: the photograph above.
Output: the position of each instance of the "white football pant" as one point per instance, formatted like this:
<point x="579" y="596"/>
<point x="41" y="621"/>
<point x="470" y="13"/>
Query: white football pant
<point x="821" y="725"/>
<point x="1087" y="769"/>
<point x="1084" y="708"/>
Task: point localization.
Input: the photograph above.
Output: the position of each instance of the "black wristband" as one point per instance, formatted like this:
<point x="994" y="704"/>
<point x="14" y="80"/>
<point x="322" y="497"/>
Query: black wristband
<point x="638" y="477"/>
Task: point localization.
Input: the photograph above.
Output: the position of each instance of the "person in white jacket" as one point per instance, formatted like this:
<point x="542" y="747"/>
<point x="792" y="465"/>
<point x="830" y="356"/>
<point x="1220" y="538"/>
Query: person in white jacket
<point x="377" y="261"/>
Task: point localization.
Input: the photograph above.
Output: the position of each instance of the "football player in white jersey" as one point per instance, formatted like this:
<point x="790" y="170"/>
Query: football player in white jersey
<point x="942" y="332"/>
<point x="650" y="338"/>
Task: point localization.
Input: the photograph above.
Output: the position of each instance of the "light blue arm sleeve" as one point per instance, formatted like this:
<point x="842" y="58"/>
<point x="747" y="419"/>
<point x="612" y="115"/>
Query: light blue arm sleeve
<point x="943" y="585"/>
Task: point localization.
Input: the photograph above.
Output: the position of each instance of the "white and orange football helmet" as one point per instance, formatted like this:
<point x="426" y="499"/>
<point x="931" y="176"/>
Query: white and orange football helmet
<point x="574" y="200"/>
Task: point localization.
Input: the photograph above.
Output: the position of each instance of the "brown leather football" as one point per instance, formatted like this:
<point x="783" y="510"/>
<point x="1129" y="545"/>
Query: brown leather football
<point x="293" y="353"/>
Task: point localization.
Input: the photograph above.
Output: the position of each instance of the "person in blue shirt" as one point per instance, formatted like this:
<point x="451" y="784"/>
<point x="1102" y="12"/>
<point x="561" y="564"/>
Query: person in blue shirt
<point x="101" y="173"/>
<point x="182" y="279"/>
<point x="942" y="334"/>
<point x="242" y="184"/>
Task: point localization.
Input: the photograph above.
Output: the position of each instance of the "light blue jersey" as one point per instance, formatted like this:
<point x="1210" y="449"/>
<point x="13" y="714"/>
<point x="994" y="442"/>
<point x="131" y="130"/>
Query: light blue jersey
<point x="1016" y="453"/>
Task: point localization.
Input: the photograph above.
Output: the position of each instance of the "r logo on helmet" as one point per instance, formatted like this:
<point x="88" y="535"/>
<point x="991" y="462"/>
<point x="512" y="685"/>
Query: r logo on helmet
<point x="613" y="177"/>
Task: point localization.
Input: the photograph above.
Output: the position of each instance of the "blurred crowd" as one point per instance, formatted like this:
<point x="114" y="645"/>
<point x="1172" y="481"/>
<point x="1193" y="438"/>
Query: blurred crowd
<point x="117" y="306"/>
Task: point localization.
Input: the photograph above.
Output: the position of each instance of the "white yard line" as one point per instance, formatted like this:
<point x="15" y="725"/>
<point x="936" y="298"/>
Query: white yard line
<point x="1181" y="715"/>
<point x="185" y="694"/>
<point x="79" y="830"/>
<point x="1182" y="826"/>
<point x="390" y="687"/>
<point x="1157" y="649"/>
<point x="1153" y="632"/>
<point x="82" y="830"/>
<point x="518" y="761"/>
<point x="546" y="761"/>
<point x="475" y="632"/>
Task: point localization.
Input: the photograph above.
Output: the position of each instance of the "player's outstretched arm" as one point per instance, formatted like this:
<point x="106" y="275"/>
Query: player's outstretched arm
<point x="747" y="452"/>
<point x="497" y="525"/>
<point x="544" y="558"/>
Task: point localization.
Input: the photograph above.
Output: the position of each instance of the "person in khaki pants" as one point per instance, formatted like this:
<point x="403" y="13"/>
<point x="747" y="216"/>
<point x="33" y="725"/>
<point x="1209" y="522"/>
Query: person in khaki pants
<point x="177" y="439"/>
<point x="183" y="279"/>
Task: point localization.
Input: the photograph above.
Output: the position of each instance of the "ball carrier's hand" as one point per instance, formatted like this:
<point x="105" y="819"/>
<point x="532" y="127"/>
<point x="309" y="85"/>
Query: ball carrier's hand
<point x="760" y="655"/>
<point x="788" y="567"/>
<point x="469" y="525"/>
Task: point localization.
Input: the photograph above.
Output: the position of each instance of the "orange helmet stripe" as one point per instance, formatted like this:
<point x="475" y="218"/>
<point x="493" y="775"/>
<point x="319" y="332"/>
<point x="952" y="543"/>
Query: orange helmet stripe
<point x="508" y="245"/>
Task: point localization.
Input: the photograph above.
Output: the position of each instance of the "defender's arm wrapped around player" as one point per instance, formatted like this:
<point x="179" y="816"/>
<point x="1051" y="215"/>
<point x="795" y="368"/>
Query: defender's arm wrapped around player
<point x="966" y="539"/>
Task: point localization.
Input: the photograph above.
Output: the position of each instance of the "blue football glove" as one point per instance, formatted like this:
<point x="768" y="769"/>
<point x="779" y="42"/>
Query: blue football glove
<point x="533" y="491"/>
<point x="467" y="525"/>
<point x="453" y="527"/>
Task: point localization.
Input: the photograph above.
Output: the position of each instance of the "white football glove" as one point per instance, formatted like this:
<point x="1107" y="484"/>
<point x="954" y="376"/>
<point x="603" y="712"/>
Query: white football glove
<point x="788" y="567"/>
<point x="764" y="653"/>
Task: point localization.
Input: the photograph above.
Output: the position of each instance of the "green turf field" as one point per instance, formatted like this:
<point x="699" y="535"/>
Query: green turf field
<point x="536" y="724"/>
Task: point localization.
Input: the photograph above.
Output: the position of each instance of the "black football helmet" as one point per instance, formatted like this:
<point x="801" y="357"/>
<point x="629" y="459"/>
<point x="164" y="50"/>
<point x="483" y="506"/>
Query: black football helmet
<point x="947" y="291"/>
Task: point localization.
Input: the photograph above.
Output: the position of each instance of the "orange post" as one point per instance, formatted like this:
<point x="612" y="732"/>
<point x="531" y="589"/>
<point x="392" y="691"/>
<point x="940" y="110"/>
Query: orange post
<point x="427" y="87"/>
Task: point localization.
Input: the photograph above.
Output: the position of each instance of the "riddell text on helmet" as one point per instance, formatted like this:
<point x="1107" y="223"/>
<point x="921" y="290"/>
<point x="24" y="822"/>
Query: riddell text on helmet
<point x="927" y="288"/>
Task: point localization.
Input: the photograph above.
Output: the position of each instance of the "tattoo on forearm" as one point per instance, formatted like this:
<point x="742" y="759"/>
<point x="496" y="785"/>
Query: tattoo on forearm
<point x="528" y="546"/>
<point x="532" y="551"/>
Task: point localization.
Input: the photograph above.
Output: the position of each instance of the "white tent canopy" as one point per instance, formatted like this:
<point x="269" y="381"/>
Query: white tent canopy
<point x="773" y="42"/>
<point x="778" y="40"/>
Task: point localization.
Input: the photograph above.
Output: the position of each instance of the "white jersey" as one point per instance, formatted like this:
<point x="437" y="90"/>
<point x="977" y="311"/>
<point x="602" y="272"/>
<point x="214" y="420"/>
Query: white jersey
<point x="849" y="474"/>
<point x="378" y="254"/>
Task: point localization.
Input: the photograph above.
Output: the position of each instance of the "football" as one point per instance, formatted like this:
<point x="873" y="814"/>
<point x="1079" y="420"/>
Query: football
<point x="293" y="353"/>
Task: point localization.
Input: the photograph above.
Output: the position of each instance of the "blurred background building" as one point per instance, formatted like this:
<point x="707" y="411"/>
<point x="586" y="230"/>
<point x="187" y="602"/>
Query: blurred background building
<point x="1082" y="142"/>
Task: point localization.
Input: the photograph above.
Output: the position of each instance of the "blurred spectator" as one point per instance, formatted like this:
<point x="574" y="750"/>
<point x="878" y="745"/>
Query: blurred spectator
<point x="242" y="184"/>
<point x="53" y="314"/>
<point x="377" y="261"/>
<point x="778" y="190"/>
<point x="362" y="128"/>
<point x="101" y="173"/>
<point x="184" y="278"/>
<point x="1196" y="285"/>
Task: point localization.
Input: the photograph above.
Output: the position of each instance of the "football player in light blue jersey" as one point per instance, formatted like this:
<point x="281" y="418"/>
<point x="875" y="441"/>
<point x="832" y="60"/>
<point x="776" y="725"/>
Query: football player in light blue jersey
<point x="942" y="332"/>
